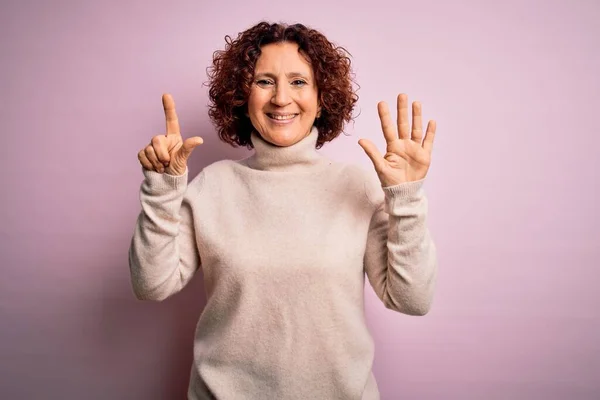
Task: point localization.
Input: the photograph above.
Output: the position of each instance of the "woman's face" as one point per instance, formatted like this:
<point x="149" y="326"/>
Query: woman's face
<point x="283" y="101"/>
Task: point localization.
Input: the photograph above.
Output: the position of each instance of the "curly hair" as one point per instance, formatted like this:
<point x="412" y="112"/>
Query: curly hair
<point x="232" y="73"/>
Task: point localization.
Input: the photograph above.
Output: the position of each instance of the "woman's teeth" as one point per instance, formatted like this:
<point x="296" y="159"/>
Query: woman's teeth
<point x="281" y="117"/>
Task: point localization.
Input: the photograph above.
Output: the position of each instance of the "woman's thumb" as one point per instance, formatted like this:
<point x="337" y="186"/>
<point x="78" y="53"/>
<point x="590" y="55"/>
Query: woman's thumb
<point x="189" y="145"/>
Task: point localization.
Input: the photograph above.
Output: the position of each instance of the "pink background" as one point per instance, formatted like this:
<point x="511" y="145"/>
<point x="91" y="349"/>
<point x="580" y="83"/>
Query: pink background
<point x="513" y="188"/>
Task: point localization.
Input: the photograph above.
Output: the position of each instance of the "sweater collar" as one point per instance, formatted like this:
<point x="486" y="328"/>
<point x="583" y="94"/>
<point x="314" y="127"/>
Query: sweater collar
<point x="268" y="157"/>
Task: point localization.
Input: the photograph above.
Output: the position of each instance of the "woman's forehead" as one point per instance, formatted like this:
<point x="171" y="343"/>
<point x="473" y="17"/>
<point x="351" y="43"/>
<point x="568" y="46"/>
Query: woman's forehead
<point x="282" y="58"/>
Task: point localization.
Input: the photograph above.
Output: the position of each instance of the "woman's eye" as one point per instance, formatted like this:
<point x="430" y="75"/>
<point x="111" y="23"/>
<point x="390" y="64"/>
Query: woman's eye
<point x="265" y="82"/>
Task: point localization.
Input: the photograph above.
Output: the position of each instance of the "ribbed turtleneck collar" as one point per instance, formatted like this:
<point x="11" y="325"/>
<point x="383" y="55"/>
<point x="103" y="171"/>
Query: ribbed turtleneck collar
<point x="268" y="157"/>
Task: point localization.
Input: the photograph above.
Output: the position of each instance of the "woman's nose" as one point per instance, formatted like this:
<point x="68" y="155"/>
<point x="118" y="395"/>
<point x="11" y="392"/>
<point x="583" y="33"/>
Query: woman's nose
<point x="281" y="96"/>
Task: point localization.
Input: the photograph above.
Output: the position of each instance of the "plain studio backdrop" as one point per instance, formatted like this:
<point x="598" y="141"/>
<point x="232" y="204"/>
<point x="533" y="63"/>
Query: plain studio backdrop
<point x="512" y="190"/>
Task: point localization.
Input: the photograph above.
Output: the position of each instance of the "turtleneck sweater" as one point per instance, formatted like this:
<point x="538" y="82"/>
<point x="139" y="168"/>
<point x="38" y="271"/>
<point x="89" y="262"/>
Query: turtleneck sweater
<point x="284" y="238"/>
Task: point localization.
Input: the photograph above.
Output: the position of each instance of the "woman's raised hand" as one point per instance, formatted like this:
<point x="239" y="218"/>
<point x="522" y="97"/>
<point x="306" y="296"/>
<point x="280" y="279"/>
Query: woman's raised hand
<point x="168" y="153"/>
<point x="408" y="152"/>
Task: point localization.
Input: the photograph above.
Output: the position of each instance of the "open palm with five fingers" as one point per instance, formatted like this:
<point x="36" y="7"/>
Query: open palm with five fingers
<point x="408" y="153"/>
<point x="169" y="153"/>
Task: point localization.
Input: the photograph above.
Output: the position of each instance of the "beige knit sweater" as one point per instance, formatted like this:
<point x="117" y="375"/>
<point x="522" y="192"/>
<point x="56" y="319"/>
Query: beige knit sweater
<point x="284" y="239"/>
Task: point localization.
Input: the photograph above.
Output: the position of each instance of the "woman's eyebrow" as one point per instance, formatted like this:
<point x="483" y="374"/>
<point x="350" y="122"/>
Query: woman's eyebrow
<point x="289" y="75"/>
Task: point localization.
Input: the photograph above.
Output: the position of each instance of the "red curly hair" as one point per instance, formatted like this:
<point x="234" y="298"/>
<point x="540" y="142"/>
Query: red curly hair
<point x="232" y="73"/>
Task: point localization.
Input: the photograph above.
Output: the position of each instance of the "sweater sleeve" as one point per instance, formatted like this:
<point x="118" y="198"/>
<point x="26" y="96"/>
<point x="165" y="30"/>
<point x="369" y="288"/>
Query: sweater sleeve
<point x="163" y="255"/>
<point x="400" y="257"/>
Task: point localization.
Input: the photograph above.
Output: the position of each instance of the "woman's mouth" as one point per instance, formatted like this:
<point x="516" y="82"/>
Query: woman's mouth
<point x="281" y="118"/>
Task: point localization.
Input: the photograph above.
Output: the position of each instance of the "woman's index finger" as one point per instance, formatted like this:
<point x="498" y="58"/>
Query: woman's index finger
<point x="170" y="114"/>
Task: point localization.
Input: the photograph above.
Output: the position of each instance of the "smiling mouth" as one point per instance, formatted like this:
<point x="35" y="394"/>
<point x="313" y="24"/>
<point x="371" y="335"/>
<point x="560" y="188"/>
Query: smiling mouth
<point x="281" y="117"/>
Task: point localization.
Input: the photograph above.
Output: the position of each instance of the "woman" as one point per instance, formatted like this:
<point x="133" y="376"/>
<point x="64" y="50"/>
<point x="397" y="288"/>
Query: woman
<point x="285" y="236"/>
